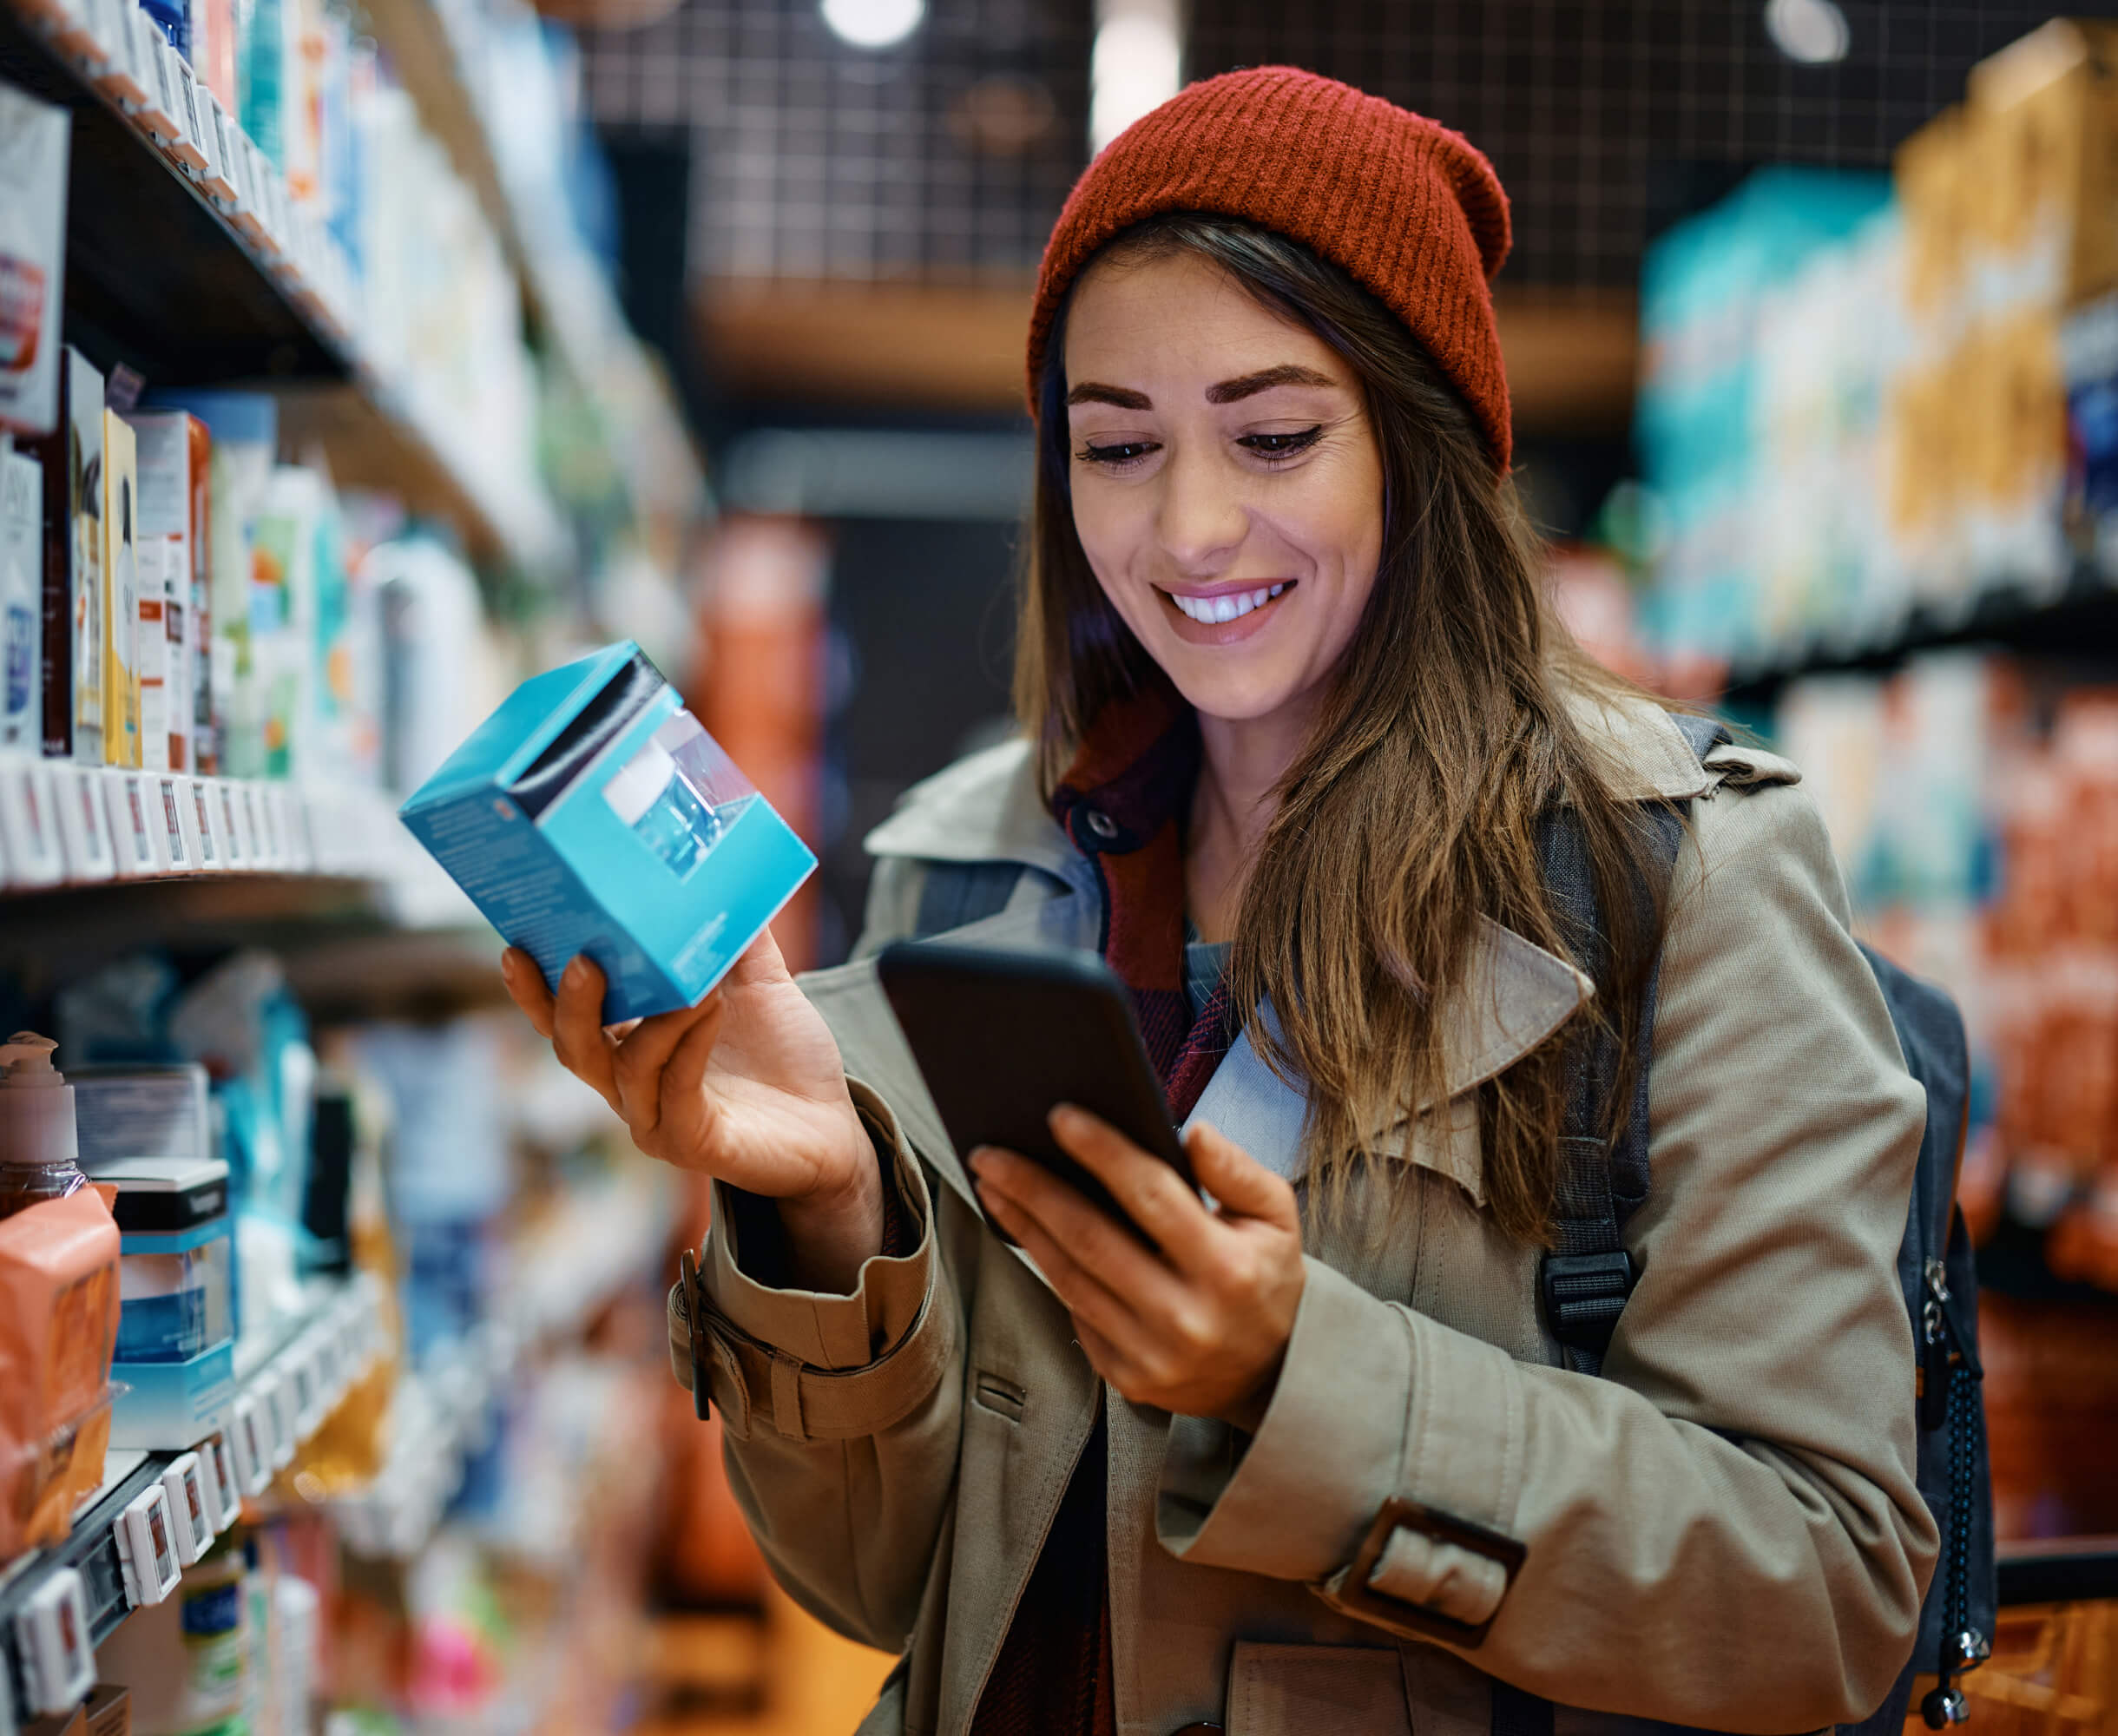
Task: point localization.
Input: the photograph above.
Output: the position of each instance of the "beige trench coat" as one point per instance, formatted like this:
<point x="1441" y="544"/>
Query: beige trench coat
<point x="1723" y="1532"/>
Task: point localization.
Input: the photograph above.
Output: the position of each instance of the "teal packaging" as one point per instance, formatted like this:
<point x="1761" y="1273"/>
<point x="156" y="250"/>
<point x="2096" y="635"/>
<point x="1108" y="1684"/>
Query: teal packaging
<point x="591" y="813"/>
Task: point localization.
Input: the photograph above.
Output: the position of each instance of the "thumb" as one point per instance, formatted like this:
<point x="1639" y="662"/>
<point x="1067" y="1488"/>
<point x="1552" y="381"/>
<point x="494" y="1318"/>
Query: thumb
<point x="1243" y="1187"/>
<point x="759" y="962"/>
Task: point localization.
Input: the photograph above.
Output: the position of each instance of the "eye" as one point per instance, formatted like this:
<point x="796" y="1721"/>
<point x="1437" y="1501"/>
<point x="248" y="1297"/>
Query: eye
<point x="1119" y="454"/>
<point x="1281" y="445"/>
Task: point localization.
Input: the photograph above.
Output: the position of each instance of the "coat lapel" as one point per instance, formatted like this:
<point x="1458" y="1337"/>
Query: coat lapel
<point x="1513" y="997"/>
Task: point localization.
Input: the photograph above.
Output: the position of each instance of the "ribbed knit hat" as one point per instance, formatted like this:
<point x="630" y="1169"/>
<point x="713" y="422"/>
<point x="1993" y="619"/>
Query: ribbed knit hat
<point x="1411" y="210"/>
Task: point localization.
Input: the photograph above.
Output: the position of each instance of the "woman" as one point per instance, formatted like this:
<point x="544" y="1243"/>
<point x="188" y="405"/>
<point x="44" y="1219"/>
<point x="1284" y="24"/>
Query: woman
<point x="1296" y="718"/>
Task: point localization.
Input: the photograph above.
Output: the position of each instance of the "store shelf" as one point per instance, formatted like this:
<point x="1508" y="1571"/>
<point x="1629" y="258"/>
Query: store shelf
<point x="91" y="1551"/>
<point x="611" y="1237"/>
<point x="161" y="279"/>
<point x="2059" y="1570"/>
<point x="568" y="291"/>
<point x="156" y="277"/>
<point x="378" y="439"/>
<point x="64" y="827"/>
<point x="321" y="1350"/>
<point x="2075" y="618"/>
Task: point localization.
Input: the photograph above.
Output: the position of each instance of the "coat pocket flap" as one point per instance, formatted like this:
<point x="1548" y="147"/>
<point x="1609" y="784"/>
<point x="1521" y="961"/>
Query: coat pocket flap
<point x="1316" y="1690"/>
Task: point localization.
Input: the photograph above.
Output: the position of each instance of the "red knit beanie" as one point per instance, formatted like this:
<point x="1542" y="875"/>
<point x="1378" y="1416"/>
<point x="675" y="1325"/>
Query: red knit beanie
<point x="1411" y="210"/>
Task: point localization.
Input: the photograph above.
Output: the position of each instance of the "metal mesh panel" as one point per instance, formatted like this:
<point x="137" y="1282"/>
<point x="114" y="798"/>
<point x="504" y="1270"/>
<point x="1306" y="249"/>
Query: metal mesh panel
<point x="815" y="159"/>
<point x="1597" y="112"/>
<point x="1602" y="115"/>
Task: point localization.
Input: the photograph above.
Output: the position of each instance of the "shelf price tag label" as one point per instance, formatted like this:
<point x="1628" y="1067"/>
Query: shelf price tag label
<point x="147" y="1547"/>
<point x="236" y="849"/>
<point x="84" y="827"/>
<point x="250" y="1433"/>
<point x="133" y="825"/>
<point x="211" y="852"/>
<point x="53" y="1637"/>
<point x="191" y="1520"/>
<point x="224" y="1494"/>
<point x="29" y="822"/>
<point x="180" y="851"/>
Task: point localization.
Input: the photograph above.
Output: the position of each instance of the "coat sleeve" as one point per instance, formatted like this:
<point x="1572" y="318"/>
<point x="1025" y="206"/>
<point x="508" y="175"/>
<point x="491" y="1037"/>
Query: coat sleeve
<point x="841" y="1414"/>
<point x="1725" y="1531"/>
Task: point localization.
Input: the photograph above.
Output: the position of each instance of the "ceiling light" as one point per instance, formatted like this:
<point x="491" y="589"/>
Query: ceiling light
<point x="873" y="23"/>
<point x="1813" y="31"/>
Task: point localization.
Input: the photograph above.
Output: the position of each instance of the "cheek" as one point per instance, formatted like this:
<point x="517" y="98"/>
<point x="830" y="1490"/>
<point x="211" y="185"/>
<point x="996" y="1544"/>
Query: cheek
<point x="1338" y="525"/>
<point x="1111" y="525"/>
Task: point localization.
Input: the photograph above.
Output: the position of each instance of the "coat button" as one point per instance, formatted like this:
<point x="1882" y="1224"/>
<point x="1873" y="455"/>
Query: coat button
<point x="1102" y="824"/>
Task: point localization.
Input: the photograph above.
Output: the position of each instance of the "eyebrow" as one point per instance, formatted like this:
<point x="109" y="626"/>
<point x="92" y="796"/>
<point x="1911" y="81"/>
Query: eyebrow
<point x="1088" y="392"/>
<point x="1288" y="373"/>
<point x="1227" y="391"/>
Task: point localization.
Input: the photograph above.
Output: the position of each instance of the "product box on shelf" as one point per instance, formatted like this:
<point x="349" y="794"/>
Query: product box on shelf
<point x="171" y="1405"/>
<point x="240" y="438"/>
<point x="592" y="813"/>
<point x="2088" y="344"/>
<point x="172" y="451"/>
<point x="177" y="1273"/>
<point x="58" y="1326"/>
<point x="22" y="606"/>
<point x="2048" y="175"/>
<point x="72" y="594"/>
<point x="121" y="611"/>
<point x="34" y="140"/>
<point x="109" y="1710"/>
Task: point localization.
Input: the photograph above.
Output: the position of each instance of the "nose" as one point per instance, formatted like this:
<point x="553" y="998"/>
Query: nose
<point x="1201" y="520"/>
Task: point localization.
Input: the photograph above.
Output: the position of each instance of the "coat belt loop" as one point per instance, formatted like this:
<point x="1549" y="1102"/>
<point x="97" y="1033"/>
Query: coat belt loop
<point x="786" y="1397"/>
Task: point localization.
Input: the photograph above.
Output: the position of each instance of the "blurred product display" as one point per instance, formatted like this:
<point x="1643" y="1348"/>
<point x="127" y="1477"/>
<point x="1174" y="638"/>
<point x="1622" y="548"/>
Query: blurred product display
<point x="332" y="1382"/>
<point x="1872" y="408"/>
<point x="1877" y="435"/>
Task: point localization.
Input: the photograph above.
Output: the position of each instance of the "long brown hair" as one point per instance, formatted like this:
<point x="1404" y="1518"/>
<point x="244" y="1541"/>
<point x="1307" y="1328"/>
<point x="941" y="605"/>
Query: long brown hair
<point x="1415" y="807"/>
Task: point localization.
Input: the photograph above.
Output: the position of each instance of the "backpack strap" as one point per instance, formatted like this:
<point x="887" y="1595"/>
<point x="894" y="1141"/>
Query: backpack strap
<point x="1586" y="1278"/>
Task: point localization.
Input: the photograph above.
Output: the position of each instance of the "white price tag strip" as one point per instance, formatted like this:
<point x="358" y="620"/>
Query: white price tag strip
<point x="52" y="1636"/>
<point x="146" y="1548"/>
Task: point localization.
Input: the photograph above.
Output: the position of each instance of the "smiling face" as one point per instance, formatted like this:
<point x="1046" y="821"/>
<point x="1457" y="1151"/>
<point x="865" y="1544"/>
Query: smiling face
<point x="1227" y="485"/>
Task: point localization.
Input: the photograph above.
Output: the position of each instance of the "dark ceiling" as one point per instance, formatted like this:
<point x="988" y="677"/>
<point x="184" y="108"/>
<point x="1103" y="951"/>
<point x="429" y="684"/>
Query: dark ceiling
<point x="948" y="157"/>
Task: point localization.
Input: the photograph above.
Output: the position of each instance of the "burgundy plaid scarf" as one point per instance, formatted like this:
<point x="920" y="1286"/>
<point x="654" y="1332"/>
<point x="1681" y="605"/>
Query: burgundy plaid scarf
<point x="1124" y="803"/>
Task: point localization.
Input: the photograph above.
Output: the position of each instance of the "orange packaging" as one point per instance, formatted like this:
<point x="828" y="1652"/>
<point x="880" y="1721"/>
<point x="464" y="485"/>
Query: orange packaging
<point x="58" y="1326"/>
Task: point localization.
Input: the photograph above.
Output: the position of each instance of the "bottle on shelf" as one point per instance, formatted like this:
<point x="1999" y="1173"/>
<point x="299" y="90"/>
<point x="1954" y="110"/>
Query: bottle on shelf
<point x="39" y="1152"/>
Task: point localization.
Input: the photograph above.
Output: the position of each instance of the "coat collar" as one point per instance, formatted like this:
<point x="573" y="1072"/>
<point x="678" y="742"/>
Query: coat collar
<point x="987" y="807"/>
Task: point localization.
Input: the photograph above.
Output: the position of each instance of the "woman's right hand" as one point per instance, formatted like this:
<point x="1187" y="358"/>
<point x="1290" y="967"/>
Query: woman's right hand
<point x="747" y="1087"/>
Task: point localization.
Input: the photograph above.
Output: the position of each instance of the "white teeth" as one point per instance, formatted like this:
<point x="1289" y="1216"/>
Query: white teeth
<point x="1230" y="606"/>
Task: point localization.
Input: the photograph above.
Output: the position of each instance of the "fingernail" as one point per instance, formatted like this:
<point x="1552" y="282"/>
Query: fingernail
<point x="576" y="972"/>
<point x="981" y="1159"/>
<point x="507" y="965"/>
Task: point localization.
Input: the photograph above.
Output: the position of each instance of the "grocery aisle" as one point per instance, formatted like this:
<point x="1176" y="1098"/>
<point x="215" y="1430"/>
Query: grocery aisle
<point x="362" y="360"/>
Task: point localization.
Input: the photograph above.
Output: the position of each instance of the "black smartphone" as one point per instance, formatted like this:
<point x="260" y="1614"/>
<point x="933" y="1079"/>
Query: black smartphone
<point x="1001" y="1037"/>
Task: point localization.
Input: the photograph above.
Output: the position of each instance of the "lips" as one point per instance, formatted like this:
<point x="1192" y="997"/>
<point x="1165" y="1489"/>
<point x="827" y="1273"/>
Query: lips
<point x="1211" y="611"/>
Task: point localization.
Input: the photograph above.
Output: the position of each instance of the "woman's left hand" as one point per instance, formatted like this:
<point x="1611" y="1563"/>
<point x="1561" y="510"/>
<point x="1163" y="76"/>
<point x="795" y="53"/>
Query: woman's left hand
<point x="1199" y="1329"/>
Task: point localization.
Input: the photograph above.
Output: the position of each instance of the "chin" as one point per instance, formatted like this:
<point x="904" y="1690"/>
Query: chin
<point x="1229" y="695"/>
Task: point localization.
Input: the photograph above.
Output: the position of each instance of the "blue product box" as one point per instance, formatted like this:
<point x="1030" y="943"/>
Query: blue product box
<point x="2089" y="352"/>
<point x="173" y="1405"/>
<point x="591" y="813"/>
